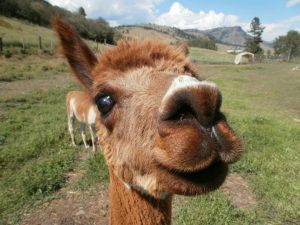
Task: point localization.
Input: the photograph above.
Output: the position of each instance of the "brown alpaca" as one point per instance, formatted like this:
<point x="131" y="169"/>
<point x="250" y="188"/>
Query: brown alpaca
<point x="162" y="132"/>
<point x="81" y="106"/>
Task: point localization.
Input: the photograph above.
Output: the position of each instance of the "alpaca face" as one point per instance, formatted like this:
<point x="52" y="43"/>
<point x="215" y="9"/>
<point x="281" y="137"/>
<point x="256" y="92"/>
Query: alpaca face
<point x="160" y="128"/>
<point x="165" y="133"/>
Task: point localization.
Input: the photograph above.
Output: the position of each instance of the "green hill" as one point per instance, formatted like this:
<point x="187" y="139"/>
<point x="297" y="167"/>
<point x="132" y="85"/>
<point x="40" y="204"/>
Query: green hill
<point x="23" y="36"/>
<point x="15" y="32"/>
<point x="41" y="12"/>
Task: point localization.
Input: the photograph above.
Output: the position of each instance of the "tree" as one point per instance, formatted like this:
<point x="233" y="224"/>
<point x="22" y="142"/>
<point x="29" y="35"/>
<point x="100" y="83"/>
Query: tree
<point x="203" y="43"/>
<point x="256" y="30"/>
<point x="81" y="11"/>
<point x="288" y="45"/>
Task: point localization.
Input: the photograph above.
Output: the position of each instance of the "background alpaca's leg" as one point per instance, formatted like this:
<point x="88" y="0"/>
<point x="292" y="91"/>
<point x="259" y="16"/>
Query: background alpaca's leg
<point x="71" y="121"/>
<point x="71" y="118"/>
<point x="94" y="137"/>
<point x="82" y="132"/>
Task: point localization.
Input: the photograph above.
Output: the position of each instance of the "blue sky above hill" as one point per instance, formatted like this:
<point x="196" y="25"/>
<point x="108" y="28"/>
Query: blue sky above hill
<point x="278" y="16"/>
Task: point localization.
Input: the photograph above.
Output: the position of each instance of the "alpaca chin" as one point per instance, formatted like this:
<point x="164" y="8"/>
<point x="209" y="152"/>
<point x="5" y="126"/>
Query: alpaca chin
<point x="194" y="183"/>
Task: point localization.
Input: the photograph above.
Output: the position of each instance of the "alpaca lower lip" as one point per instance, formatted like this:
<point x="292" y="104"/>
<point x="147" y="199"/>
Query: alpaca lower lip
<point x="202" y="173"/>
<point x="196" y="182"/>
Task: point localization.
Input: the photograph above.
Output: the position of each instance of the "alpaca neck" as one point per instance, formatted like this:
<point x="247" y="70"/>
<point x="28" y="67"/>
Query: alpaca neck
<point x="130" y="207"/>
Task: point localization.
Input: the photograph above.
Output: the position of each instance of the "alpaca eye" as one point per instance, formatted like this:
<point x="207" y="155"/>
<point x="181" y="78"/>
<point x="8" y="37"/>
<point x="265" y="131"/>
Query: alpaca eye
<point x="105" y="103"/>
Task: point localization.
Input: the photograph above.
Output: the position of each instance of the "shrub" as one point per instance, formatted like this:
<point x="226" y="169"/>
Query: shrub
<point x="41" y="12"/>
<point x="203" y="43"/>
<point x="7" y="53"/>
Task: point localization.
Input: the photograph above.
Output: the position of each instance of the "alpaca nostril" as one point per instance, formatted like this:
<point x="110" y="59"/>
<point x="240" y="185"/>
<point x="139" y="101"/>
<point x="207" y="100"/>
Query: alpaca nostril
<point x="179" y="113"/>
<point x="191" y="99"/>
<point x="190" y="106"/>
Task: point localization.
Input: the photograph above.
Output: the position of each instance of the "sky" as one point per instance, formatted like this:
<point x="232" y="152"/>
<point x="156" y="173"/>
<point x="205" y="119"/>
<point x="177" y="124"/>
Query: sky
<point x="277" y="16"/>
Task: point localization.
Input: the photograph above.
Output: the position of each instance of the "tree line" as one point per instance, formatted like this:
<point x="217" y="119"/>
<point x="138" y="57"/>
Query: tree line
<point x="41" y="12"/>
<point x="203" y="43"/>
<point x="287" y="45"/>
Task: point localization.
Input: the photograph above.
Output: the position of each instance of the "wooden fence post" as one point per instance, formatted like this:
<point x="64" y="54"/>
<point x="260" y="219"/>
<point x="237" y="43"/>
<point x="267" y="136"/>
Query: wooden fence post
<point x="23" y="43"/>
<point x="40" y="42"/>
<point x="1" y="44"/>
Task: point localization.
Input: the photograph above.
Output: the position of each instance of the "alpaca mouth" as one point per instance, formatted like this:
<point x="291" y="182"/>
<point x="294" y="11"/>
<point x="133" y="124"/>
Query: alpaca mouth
<point x="202" y="176"/>
<point x="194" y="182"/>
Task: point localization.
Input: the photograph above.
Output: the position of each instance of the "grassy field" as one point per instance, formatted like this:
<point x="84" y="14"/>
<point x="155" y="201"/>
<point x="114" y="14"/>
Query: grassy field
<point x="35" y="150"/>
<point x="261" y="102"/>
<point x="32" y="67"/>
<point x="210" y="56"/>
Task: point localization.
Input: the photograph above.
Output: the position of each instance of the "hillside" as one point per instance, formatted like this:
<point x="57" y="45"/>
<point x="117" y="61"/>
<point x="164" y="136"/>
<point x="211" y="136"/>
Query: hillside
<point x="16" y="32"/>
<point x="41" y="12"/>
<point x="164" y="33"/>
<point x="225" y="35"/>
<point x="235" y="36"/>
<point x="173" y="31"/>
<point x="141" y="33"/>
<point x="229" y="35"/>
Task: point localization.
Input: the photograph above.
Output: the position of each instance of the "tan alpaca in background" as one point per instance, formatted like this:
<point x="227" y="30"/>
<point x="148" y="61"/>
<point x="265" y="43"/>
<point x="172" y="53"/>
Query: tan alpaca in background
<point x="162" y="130"/>
<point x="81" y="106"/>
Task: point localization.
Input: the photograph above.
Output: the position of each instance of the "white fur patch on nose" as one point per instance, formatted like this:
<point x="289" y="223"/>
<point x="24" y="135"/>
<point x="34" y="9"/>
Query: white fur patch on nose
<point x="185" y="82"/>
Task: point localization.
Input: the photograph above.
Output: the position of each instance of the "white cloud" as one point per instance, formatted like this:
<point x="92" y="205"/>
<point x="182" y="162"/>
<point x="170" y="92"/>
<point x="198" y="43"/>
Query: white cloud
<point x="273" y="30"/>
<point x="113" y="23"/>
<point x="184" y="18"/>
<point x="119" y="11"/>
<point x="291" y="3"/>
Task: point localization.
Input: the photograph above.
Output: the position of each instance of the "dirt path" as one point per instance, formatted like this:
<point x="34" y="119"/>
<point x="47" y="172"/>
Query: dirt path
<point x="91" y="207"/>
<point x="72" y="207"/>
<point x="239" y="192"/>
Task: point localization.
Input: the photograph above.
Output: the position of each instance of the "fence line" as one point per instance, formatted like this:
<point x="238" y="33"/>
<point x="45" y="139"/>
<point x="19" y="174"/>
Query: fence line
<point x="1" y="44"/>
<point x="40" y="44"/>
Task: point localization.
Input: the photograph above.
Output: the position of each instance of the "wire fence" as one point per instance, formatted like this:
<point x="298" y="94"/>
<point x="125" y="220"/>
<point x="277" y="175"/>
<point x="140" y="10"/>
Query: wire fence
<point x="230" y="60"/>
<point x="37" y="45"/>
<point x="48" y="45"/>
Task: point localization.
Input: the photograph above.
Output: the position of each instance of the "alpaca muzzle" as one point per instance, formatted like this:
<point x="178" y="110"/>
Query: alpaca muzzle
<point x="193" y="133"/>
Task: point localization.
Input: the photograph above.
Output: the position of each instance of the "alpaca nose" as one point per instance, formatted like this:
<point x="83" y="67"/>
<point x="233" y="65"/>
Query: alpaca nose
<point x="192" y="132"/>
<point x="189" y="99"/>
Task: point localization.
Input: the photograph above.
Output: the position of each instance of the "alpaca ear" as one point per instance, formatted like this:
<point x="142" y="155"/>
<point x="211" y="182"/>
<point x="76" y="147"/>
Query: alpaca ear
<point x="183" y="47"/>
<point x="81" y="59"/>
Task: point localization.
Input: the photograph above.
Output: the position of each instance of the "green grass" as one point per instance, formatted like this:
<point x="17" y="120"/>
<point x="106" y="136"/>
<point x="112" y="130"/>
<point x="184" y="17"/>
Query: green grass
<point x="261" y="103"/>
<point x="31" y="67"/>
<point x="34" y="150"/>
<point x="14" y="31"/>
<point x="17" y="32"/>
<point x="213" y="209"/>
<point x="210" y="56"/>
<point x="95" y="171"/>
